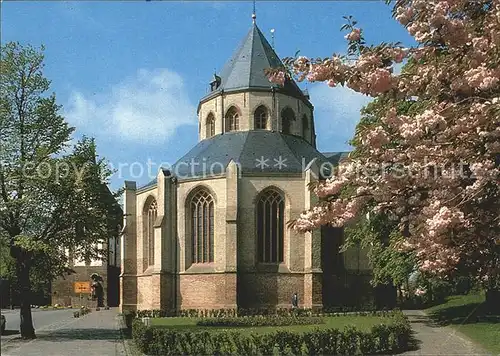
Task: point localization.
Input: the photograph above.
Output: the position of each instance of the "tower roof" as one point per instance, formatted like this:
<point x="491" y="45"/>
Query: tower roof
<point x="245" y="69"/>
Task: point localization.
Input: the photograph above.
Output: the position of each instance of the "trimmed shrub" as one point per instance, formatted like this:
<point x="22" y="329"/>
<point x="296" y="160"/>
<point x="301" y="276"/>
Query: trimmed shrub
<point x="261" y="321"/>
<point x="383" y="338"/>
<point x="231" y="313"/>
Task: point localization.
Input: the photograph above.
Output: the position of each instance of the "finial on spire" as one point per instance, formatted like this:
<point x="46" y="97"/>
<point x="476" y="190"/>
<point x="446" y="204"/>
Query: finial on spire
<point x="254" y="15"/>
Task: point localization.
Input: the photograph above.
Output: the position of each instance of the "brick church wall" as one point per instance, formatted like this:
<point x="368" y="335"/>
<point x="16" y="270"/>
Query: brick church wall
<point x="269" y="289"/>
<point x="207" y="291"/>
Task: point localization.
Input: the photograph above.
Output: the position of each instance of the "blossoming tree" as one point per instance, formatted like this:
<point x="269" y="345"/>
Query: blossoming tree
<point x="435" y="168"/>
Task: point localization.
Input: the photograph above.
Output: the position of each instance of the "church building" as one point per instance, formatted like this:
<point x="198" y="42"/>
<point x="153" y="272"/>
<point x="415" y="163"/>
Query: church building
<point x="212" y="231"/>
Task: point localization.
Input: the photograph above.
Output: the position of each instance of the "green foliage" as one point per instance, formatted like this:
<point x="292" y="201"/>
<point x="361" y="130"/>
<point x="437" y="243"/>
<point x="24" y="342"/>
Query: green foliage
<point x="389" y="264"/>
<point x="261" y="321"/>
<point x="54" y="201"/>
<point x="384" y="338"/>
<point x="280" y="312"/>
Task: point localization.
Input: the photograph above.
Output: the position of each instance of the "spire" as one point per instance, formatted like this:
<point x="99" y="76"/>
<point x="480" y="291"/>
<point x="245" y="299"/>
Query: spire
<point x="246" y="68"/>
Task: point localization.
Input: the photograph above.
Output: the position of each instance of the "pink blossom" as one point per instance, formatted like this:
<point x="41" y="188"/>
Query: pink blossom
<point x="354" y="35"/>
<point x="277" y="78"/>
<point x="411" y="166"/>
<point x="420" y="292"/>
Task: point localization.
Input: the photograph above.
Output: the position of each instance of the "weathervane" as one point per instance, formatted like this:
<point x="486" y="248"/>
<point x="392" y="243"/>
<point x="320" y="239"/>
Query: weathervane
<point x="272" y="38"/>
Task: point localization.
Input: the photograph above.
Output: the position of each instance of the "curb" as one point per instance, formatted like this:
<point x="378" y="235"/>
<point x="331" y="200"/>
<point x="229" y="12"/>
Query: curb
<point x="125" y="341"/>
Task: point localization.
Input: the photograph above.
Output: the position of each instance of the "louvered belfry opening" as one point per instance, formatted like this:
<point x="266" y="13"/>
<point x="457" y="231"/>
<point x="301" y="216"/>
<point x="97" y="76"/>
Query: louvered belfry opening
<point x="210" y="125"/>
<point x="287" y="118"/>
<point x="202" y="227"/>
<point x="270" y="226"/>
<point x="232" y="119"/>
<point x="260" y="118"/>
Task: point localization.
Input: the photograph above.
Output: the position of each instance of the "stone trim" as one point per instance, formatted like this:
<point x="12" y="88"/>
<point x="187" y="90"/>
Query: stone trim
<point x="147" y="188"/>
<point x="195" y="179"/>
<point x="205" y="271"/>
<point x="296" y="176"/>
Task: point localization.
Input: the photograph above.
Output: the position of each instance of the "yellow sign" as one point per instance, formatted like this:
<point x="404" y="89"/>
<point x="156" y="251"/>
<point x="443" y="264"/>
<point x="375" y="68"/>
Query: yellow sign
<point x="82" y="287"/>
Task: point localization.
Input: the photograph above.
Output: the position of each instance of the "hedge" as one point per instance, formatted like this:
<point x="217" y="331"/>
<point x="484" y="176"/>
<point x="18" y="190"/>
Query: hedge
<point x="229" y="313"/>
<point x="280" y="320"/>
<point x="383" y="338"/>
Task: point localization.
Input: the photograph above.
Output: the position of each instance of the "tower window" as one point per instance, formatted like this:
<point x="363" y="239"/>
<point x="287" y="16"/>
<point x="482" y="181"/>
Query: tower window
<point x="305" y="128"/>
<point x="150" y="214"/>
<point x="202" y="227"/>
<point x="287" y="117"/>
<point x="260" y="118"/>
<point x="210" y="125"/>
<point x="232" y="119"/>
<point x="270" y="226"/>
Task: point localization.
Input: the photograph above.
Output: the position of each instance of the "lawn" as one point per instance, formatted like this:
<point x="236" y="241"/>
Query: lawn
<point x="338" y="322"/>
<point x="467" y="314"/>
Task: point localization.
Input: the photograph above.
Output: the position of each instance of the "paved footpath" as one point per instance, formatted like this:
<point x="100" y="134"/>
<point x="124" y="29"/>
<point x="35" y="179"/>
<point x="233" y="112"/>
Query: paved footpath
<point x="432" y="339"/>
<point x="97" y="333"/>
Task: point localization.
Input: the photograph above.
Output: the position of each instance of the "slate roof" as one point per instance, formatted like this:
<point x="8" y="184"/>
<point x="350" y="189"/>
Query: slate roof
<point x="247" y="148"/>
<point x="335" y="157"/>
<point x="246" y="67"/>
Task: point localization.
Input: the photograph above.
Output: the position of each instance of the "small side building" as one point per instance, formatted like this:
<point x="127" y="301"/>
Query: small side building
<point x="107" y="266"/>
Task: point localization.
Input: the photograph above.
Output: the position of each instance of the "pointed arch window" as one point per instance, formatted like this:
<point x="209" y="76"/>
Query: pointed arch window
<point x="210" y="125"/>
<point x="305" y="128"/>
<point x="260" y="118"/>
<point x="270" y="226"/>
<point x="287" y="118"/>
<point x="150" y="214"/>
<point x="232" y="119"/>
<point x="202" y="227"/>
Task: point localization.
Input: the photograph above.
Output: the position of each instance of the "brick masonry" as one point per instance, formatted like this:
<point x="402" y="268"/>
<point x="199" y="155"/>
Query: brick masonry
<point x="235" y="278"/>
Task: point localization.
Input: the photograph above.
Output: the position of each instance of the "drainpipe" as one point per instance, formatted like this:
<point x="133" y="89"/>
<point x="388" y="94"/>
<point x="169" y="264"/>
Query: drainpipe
<point x="176" y="238"/>
<point x="222" y="111"/>
<point x="273" y="90"/>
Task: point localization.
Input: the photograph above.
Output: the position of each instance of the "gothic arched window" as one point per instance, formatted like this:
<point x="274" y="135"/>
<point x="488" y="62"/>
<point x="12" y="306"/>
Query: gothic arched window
<point x="260" y="118"/>
<point x="210" y="125"/>
<point x="305" y="128"/>
<point x="232" y="119"/>
<point x="287" y="116"/>
<point x="150" y="214"/>
<point x="202" y="227"/>
<point x="270" y="226"/>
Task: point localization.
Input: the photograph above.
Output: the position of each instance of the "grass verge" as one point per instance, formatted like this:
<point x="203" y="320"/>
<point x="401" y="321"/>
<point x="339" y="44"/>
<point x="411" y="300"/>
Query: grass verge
<point x="363" y="323"/>
<point x="469" y="315"/>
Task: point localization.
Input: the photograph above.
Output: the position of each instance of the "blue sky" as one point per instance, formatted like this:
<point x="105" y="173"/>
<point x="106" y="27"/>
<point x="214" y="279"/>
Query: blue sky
<point x="131" y="73"/>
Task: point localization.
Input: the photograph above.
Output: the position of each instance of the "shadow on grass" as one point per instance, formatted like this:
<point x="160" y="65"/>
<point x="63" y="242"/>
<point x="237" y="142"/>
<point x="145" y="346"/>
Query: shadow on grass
<point x="81" y="334"/>
<point x="465" y="314"/>
<point x="10" y="332"/>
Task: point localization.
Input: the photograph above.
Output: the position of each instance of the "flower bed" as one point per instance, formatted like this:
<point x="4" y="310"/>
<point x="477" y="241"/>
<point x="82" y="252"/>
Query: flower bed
<point x="388" y="337"/>
<point x="253" y="321"/>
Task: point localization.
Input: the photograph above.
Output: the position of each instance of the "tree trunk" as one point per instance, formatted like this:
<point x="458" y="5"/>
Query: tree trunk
<point x="493" y="300"/>
<point x="27" y="329"/>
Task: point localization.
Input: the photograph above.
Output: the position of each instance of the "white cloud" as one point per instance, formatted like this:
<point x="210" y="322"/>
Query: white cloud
<point x="147" y="107"/>
<point x="337" y="112"/>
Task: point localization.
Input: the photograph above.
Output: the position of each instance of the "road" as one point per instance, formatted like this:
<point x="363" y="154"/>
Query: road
<point x="60" y="334"/>
<point x="42" y="319"/>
